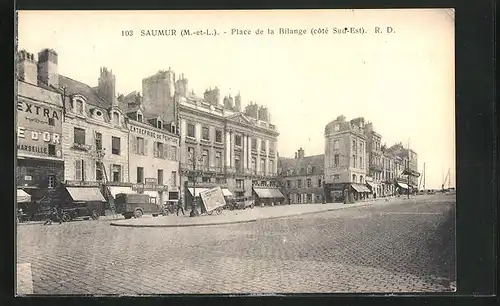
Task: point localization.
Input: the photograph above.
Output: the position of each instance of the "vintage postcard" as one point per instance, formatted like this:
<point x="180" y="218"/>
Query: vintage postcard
<point x="235" y="152"/>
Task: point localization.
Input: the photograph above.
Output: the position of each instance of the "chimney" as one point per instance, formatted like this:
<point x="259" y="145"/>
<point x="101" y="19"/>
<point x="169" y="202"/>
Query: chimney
<point x="237" y="103"/>
<point x="47" y="67"/>
<point x="295" y="155"/>
<point x="106" y="86"/>
<point x="27" y="67"/>
<point x="301" y="153"/>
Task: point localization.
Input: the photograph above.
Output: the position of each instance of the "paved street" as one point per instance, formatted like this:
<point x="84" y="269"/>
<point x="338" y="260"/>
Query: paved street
<point x="397" y="246"/>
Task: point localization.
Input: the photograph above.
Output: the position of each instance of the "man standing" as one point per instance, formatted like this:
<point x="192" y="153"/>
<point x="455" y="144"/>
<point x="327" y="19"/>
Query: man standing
<point x="179" y="207"/>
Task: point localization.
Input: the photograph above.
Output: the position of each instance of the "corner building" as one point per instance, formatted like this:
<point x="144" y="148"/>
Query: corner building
<point x="345" y="160"/>
<point x="39" y="119"/>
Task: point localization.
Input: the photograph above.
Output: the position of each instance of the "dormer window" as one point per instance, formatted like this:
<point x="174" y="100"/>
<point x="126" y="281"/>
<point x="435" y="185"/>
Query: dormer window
<point x="139" y="117"/>
<point x="159" y="124"/>
<point x="78" y="105"/>
<point x="116" y="118"/>
<point x="96" y="113"/>
<point x="336" y="127"/>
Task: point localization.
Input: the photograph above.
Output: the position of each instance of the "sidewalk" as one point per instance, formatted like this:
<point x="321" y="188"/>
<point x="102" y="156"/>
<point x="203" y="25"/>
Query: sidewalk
<point x="239" y="216"/>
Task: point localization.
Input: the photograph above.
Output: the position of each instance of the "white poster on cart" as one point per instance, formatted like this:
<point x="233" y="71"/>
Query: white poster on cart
<point x="212" y="198"/>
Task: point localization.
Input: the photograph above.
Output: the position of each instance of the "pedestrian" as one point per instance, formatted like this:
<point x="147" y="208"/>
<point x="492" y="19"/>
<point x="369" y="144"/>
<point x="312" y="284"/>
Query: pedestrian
<point x="53" y="216"/>
<point x="179" y="207"/>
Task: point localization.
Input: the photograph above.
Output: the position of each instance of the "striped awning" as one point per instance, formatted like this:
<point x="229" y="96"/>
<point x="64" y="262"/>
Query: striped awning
<point x="360" y="188"/>
<point x="23" y="196"/>
<point x="268" y="193"/>
<point x="86" y="194"/>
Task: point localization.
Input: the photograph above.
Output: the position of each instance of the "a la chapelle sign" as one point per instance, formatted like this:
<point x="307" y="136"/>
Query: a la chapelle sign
<point x="39" y="129"/>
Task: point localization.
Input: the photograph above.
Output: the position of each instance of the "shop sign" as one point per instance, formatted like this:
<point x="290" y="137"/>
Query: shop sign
<point x="82" y="183"/>
<point x="152" y="134"/>
<point x="149" y="187"/>
<point x="37" y="142"/>
<point x="151" y="181"/>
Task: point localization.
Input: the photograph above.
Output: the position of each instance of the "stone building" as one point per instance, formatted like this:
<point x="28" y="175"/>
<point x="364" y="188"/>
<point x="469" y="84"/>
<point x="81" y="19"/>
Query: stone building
<point x="39" y="121"/>
<point x="95" y="135"/>
<point x="153" y="155"/>
<point x="219" y="146"/>
<point x="302" y="178"/>
<point x="409" y="159"/>
<point x="345" y="160"/>
<point x="374" y="160"/>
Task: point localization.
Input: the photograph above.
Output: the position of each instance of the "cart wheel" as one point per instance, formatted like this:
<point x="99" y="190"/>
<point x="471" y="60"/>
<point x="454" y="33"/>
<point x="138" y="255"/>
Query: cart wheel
<point x="66" y="217"/>
<point x="138" y="213"/>
<point x="219" y="211"/>
<point x="210" y="212"/>
<point x="95" y="215"/>
<point x="128" y="216"/>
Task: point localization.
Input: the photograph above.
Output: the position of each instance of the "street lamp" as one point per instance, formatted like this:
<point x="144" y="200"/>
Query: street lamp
<point x="193" y="159"/>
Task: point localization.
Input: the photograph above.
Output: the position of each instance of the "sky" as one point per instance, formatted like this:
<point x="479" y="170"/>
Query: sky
<point x="403" y="82"/>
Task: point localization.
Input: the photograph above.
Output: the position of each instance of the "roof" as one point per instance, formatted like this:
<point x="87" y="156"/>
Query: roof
<point x="299" y="165"/>
<point x="75" y="87"/>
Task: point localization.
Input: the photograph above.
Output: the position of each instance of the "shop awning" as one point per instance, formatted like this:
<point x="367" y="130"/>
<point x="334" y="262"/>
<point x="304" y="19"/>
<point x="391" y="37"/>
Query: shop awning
<point x="198" y="190"/>
<point x="360" y="188"/>
<point x="371" y="185"/>
<point x="120" y="189"/>
<point x="268" y="193"/>
<point x="226" y="192"/>
<point x="87" y="194"/>
<point x="23" y="196"/>
<point x="402" y="185"/>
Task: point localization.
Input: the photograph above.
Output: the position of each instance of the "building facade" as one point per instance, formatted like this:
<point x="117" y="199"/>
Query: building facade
<point x="153" y="156"/>
<point x="95" y="135"/>
<point x="345" y="160"/>
<point x="375" y="160"/>
<point x="302" y="178"/>
<point x="39" y="121"/>
<point x="219" y="145"/>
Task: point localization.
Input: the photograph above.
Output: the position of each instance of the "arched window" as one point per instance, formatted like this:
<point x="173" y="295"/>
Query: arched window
<point x="139" y="116"/>
<point x="361" y="179"/>
<point x="116" y="118"/>
<point x="354" y="178"/>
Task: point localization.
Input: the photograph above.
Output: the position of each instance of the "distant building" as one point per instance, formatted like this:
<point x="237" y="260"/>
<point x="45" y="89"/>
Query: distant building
<point x="375" y="160"/>
<point x="410" y="164"/>
<point x="39" y="118"/>
<point x="302" y="178"/>
<point x="345" y="160"/>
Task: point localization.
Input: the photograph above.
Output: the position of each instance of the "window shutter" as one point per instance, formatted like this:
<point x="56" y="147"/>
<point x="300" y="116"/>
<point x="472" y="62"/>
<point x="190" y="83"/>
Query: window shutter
<point x="135" y="144"/>
<point x="166" y="152"/>
<point x="146" y="151"/>
<point x="78" y="170"/>
<point x="83" y="170"/>
<point x="110" y="178"/>
<point x="155" y="149"/>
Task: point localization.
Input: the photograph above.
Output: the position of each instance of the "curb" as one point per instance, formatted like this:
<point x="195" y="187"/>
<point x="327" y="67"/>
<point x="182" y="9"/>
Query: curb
<point x="236" y="222"/>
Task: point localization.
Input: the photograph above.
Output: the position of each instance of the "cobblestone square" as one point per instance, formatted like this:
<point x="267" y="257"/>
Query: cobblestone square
<point x="403" y="245"/>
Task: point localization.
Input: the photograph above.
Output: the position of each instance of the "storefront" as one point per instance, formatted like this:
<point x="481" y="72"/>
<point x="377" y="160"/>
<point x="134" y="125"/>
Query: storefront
<point x="373" y="189"/>
<point x="40" y="163"/>
<point x="401" y="188"/>
<point x="268" y="196"/>
<point x="83" y="193"/>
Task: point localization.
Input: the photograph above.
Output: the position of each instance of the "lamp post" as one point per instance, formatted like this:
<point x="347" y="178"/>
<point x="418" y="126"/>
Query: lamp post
<point x="193" y="159"/>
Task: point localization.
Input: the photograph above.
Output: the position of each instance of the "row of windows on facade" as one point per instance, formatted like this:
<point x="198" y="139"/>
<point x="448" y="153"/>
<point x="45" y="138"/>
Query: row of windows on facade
<point x="308" y="184"/>
<point x="140" y="145"/>
<point x="205" y="135"/>
<point x="303" y="198"/>
<point x="354" y="161"/>
<point x="115" y="117"/>
<point x="205" y="160"/>
<point x="116" y="173"/>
